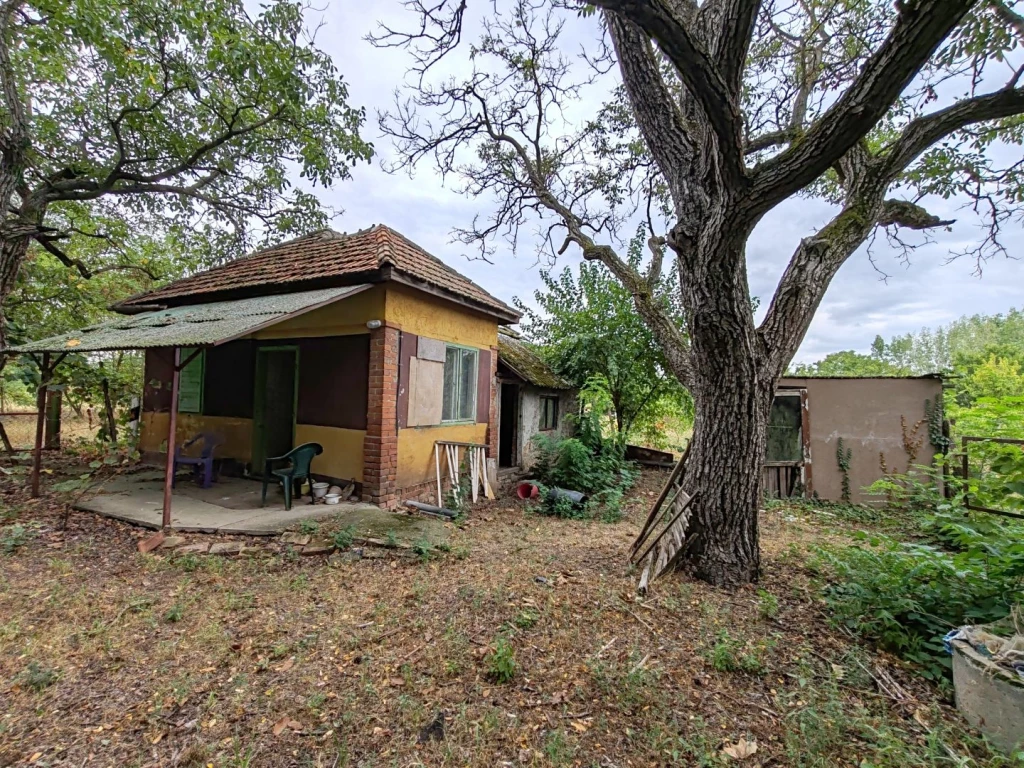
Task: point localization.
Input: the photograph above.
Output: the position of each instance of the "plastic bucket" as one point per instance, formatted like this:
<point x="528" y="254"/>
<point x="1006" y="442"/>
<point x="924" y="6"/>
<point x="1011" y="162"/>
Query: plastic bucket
<point x="320" y="490"/>
<point x="527" y="491"/>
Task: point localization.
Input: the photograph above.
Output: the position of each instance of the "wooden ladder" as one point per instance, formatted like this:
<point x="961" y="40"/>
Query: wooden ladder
<point x="664" y="532"/>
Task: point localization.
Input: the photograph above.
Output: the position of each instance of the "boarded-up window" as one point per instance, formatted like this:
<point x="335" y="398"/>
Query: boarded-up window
<point x="784" y="430"/>
<point x="460" y="383"/>
<point x="548" y="412"/>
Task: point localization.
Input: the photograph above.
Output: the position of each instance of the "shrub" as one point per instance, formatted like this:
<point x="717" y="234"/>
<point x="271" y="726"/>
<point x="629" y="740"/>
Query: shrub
<point x="343" y="539"/>
<point x="37" y="677"/>
<point x="590" y="463"/>
<point x="907" y="596"/>
<point x="13" y="537"/>
<point x="501" y="661"/>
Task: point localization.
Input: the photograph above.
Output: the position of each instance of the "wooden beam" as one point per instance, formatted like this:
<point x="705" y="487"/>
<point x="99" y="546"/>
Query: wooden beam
<point x="171" y="430"/>
<point x="37" y="455"/>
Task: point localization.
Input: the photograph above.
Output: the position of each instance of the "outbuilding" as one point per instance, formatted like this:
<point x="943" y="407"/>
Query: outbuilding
<point x="831" y="437"/>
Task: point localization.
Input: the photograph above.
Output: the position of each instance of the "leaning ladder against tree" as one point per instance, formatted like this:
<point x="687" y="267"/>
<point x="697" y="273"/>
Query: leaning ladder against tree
<point x="724" y="110"/>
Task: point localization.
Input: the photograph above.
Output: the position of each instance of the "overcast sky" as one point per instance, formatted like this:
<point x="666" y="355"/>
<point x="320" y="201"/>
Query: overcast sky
<point x="859" y="304"/>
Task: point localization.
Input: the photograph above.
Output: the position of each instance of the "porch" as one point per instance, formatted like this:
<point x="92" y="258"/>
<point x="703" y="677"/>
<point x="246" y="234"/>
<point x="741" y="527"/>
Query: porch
<point x="232" y="506"/>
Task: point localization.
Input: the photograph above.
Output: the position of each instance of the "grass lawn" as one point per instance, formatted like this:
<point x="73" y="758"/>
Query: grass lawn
<point x="524" y="645"/>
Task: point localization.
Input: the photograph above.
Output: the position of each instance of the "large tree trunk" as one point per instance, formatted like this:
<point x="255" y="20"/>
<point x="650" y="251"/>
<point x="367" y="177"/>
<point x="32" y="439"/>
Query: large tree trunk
<point x="12" y="255"/>
<point x="723" y="469"/>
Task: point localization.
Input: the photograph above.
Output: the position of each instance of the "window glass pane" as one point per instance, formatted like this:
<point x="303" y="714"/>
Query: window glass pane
<point x="467" y="385"/>
<point x="449" y="406"/>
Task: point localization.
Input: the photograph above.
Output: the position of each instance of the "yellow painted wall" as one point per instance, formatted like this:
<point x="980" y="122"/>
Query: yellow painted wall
<point x="237" y="433"/>
<point x="343" y="450"/>
<point x="342" y="318"/>
<point x="416" y="449"/>
<point x="435" y="318"/>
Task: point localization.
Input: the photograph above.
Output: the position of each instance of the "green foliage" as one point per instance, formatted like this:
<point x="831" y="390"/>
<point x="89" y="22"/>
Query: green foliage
<point x="501" y="660"/>
<point x="14" y="537"/>
<point x="343" y="539"/>
<point x="424" y="549"/>
<point x="731" y="654"/>
<point x="37" y="677"/>
<point x="846" y="363"/>
<point x="309" y="527"/>
<point x="843" y="457"/>
<point x="767" y="604"/>
<point x="590" y="463"/>
<point x="591" y="334"/>
<point x="175" y="613"/>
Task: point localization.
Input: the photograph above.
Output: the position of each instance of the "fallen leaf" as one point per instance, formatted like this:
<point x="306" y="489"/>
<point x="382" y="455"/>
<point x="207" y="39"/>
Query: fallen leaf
<point x="580" y="726"/>
<point x="838" y="672"/>
<point x="286" y="722"/>
<point x="288" y="664"/>
<point x="397" y="682"/>
<point x="919" y="716"/>
<point x="158" y="738"/>
<point x="742" y="749"/>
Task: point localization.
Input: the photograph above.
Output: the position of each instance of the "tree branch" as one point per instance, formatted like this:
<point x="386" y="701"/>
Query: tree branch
<point x="902" y="213"/>
<point x="699" y="74"/>
<point x="923" y="132"/>
<point x="919" y="29"/>
<point x="47" y="242"/>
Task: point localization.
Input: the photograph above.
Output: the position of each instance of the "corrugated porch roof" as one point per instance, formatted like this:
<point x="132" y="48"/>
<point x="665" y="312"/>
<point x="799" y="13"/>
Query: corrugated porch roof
<point x="195" y="325"/>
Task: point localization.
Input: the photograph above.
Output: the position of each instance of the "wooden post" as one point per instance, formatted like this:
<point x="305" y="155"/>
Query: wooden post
<point x="171" y="430"/>
<point x="54" y="401"/>
<point x="109" y="407"/>
<point x="37" y="456"/>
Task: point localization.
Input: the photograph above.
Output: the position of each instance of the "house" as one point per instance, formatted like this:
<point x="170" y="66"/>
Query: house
<point x="532" y="400"/>
<point x="886" y="425"/>
<point x="361" y="342"/>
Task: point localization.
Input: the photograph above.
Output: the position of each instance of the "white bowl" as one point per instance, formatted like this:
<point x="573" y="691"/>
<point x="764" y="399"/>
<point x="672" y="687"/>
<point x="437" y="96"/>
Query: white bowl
<point x="332" y="498"/>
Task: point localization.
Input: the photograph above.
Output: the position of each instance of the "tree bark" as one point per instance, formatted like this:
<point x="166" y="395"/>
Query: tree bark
<point x="12" y="255"/>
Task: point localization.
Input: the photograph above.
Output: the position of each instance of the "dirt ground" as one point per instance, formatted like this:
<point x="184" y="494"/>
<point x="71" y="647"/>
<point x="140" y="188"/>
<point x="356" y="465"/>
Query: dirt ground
<point x="110" y="657"/>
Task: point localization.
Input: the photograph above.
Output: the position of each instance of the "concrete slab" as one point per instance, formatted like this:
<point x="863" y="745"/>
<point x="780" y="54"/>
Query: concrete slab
<point x="231" y="506"/>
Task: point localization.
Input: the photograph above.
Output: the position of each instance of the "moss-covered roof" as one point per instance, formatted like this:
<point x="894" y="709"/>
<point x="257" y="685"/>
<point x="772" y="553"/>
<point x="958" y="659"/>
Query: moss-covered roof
<point x="522" y="359"/>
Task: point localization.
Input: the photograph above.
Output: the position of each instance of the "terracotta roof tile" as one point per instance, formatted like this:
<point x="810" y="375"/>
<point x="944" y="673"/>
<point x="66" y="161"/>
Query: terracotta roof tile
<point x="325" y="255"/>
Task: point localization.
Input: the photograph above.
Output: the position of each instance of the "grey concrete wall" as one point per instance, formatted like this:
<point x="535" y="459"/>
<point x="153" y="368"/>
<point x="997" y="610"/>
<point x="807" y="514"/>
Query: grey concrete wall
<point x="865" y="413"/>
<point x="529" y="419"/>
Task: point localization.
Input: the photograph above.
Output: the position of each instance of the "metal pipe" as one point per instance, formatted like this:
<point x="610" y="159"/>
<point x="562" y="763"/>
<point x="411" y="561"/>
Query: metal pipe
<point x="171" y="430"/>
<point x="37" y="456"/>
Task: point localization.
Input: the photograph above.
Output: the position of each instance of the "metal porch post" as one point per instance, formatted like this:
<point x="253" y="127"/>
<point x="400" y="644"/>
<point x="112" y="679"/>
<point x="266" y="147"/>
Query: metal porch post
<point x="37" y="456"/>
<point x="171" y="431"/>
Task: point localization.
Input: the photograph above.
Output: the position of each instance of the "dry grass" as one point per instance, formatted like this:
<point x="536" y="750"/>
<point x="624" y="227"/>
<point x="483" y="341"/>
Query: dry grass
<point x="108" y="657"/>
<point x="21" y="427"/>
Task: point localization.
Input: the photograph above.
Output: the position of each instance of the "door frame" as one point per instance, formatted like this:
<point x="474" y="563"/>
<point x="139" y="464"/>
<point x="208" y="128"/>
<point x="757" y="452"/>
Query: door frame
<point x="259" y="395"/>
<point x="517" y="428"/>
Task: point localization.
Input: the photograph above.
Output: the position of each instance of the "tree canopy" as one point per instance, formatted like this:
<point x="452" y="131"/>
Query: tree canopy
<point x="592" y="335"/>
<point x="144" y="115"/>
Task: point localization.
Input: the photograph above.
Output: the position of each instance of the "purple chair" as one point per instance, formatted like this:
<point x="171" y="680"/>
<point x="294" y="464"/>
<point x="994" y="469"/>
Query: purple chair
<point x="202" y="465"/>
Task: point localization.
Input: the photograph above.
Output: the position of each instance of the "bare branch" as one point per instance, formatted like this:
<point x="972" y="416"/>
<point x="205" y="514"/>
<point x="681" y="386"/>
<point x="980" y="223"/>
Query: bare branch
<point x="925" y="131"/>
<point x="919" y="29"/>
<point x="902" y="213"/>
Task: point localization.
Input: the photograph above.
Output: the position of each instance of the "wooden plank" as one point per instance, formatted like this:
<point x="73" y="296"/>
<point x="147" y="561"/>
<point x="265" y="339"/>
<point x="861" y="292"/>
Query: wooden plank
<point x="661" y="498"/>
<point x="667" y="528"/>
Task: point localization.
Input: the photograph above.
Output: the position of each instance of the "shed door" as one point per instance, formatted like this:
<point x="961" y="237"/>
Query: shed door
<point x="786" y="467"/>
<point x="274" y="409"/>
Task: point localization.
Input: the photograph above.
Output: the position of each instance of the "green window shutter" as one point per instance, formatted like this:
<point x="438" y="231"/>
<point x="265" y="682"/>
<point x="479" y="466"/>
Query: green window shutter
<point x="190" y="383"/>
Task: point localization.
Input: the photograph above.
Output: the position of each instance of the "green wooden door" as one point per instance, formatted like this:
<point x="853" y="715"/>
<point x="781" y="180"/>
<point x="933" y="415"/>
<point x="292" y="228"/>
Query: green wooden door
<point x="277" y="371"/>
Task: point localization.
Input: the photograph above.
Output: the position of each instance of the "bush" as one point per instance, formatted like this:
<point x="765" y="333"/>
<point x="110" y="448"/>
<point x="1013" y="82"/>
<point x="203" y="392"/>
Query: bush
<point x="907" y="596"/>
<point x="501" y="661"/>
<point x="590" y="463"/>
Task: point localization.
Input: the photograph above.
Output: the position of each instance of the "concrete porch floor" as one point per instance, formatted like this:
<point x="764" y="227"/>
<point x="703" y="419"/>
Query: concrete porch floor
<point x="232" y="506"/>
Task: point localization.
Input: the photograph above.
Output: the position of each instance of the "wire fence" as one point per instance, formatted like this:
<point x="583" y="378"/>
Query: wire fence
<point x="20" y="427"/>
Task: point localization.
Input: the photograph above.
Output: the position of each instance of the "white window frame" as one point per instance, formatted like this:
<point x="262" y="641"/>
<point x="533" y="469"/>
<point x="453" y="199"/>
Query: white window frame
<point x="457" y="381"/>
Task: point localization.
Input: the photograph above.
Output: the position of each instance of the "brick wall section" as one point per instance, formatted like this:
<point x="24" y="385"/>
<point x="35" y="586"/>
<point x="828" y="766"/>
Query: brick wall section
<point x="380" y="447"/>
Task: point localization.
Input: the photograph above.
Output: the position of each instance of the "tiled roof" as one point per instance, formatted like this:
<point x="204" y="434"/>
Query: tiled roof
<point x="324" y="255"/>
<point x="522" y="358"/>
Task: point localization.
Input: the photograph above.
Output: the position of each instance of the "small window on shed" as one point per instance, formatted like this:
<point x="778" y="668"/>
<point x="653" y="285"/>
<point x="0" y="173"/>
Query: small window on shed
<point x="460" y="383"/>
<point x="548" y="412"/>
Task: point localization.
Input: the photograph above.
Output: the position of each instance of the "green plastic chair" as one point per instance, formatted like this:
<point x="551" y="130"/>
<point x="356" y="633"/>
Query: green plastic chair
<point x="300" y="458"/>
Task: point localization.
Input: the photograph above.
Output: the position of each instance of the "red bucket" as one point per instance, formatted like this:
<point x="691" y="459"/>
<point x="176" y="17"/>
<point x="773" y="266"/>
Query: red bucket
<point x="527" y="491"/>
